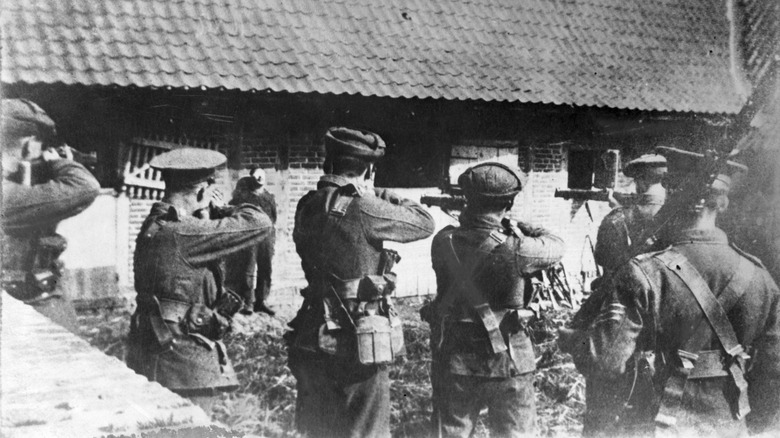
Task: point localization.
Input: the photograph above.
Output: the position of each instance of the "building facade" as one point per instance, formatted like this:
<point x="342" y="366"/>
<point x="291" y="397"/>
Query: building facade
<point x="549" y="87"/>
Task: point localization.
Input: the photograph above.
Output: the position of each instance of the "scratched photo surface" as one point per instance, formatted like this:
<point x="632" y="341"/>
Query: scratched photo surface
<point x="362" y="218"/>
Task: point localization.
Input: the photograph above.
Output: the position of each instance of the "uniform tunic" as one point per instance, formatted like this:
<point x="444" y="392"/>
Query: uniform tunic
<point x="622" y="228"/>
<point x="30" y="212"/>
<point x="650" y="309"/>
<point x="248" y="272"/>
<point x="336" y="395"/>
<point x="177" y="259"/>
<point x="466" y="374"/>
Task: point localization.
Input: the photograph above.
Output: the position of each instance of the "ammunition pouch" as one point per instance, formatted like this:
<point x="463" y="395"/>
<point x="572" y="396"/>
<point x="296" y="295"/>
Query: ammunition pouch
<point x="380" y="339"/>
<point x="228" y="303"/>
<point x="149" y="306"/>
<point x="38" y="281"/>
<point x="688" y="367"/>
<point x="360" y="320"/>
<point x="170" y="317"/>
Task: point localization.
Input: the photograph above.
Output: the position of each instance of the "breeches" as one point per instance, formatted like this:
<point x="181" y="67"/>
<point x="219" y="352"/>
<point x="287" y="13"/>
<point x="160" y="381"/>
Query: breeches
<point x="458" y="401"/>
<point x="340" y="399"/>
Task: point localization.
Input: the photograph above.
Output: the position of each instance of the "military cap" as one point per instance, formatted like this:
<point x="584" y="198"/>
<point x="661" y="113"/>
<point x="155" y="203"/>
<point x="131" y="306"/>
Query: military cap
<point x="683" y="164"/>
<point x="259" y="176"/>
<point x="647" y="165"/>
<point x="247" y="183"/>
<point x="187" y="166"/>
<point x="356" y="143"/>
<point x="490" y="181"/>
<point x="23" y="118"/>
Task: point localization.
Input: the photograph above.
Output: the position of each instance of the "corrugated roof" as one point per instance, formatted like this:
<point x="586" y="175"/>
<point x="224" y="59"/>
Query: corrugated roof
<point x="54" y="383"/>
<point x="669" y="55"/>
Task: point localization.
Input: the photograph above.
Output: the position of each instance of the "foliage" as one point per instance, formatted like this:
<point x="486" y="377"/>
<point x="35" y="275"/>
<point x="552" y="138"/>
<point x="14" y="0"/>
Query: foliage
<point x="264" y="405"/>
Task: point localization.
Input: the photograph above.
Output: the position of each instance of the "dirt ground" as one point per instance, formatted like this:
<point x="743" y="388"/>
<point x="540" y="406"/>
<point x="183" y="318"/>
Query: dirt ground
<point x="264" y="405"/>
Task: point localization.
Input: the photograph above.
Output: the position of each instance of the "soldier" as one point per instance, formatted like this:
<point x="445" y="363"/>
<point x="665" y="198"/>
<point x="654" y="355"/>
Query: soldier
<point x="249" y="271"/>
<point x="624" y="225"/>
<point x="618" y="240"/>
<point x="346" y="332"/>
<point x="702" y="314"/>
<point x="482" y="355"/>
<point x="40" y="189"/>
<point x="183" y="310"/>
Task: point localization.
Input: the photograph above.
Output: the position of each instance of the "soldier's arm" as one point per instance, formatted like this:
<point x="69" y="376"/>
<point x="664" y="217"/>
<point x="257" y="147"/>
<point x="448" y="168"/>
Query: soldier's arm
<point x="539" y="251"/>
<point x="611" y="242"/>
<point x="70" y="191"/>
<point x="203" y="241"/>
<point x="272" y="213"/>
<point x="387" y="216"/>
<point x="764" y="377"/>
<point x="438" y="246"/>
<point x="615" y="334"/>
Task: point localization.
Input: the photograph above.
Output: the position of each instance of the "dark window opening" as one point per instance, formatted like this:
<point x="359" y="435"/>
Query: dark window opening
<point x="409" y="164"/>
<point x="592" y="169"/>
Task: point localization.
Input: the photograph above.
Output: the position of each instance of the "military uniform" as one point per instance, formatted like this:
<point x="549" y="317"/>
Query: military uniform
<point x="248" y="272"/>
<point x="624" y="226"/>
<point x="183" y="308"/>
<point x="339" y="233"/>
<point x="619" y="239"/>
<point x="656" y="307"/>
<point x="31" y="247"/>
<point x="482" y="356"/>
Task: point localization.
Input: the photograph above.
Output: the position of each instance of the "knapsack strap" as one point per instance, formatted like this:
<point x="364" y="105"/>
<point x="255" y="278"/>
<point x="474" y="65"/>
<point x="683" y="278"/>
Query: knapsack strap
<point x="716" y="318"/>
<point x="463" y="286"/>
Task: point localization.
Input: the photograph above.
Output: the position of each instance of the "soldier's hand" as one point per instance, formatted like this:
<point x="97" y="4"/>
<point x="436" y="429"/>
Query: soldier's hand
<point x="65" y="152"/>
<point x="613" y="202"/>
<point x="217" y="199"/>
<point x="25" y="173"/>
<point x="388" y="196"/>
<point x="50" y="154"/>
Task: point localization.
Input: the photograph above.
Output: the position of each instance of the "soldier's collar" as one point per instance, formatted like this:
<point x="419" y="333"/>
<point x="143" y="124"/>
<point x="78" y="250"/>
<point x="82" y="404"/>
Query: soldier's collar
<point x="709" y="235"/>
<point x="471" y="220"/>
<point x="342" y="182"/>
<point x="165" y="211"/>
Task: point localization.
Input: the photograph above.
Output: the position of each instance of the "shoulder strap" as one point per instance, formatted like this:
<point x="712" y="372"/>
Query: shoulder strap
<point x="340" y="206"/>
<point x="713" y="308"/>
<point x="463" y="284"/>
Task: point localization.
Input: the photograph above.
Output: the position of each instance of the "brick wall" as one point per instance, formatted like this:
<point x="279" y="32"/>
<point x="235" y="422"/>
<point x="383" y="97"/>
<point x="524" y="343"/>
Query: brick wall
<point x="536" y="204"/>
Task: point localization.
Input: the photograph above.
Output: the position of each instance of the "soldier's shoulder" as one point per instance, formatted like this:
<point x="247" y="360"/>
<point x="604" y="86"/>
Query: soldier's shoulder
<point x="653" y="260"/>
<point x="753" y="259"/>
<point x="446" y="231"/>
<point x="617" y="215"/>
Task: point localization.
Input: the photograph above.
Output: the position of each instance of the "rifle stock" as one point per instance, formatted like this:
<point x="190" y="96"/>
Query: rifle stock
<point x="595" y="195"/>
<point x="445" y="202"/>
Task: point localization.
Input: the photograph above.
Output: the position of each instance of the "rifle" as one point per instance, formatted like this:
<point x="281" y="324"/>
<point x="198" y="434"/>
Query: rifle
<point x="445" y="202"/>
<point x="602" y="195"/>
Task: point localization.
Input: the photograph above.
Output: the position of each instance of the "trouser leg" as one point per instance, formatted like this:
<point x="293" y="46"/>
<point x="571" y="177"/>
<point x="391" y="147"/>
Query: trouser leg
<point x="264" y="258"/>
<point x="240" y="274"/>
<point x="459" y="404"/>
<point x="338" y="399"/>
<point x="511" y="406"/>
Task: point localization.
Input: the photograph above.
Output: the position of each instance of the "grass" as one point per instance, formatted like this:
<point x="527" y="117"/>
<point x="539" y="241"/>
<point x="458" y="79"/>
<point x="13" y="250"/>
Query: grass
<point x="264" y="405"/>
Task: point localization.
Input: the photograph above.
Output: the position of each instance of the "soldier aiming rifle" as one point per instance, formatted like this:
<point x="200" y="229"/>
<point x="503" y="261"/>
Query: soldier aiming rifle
<point x="680" y="325"/>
